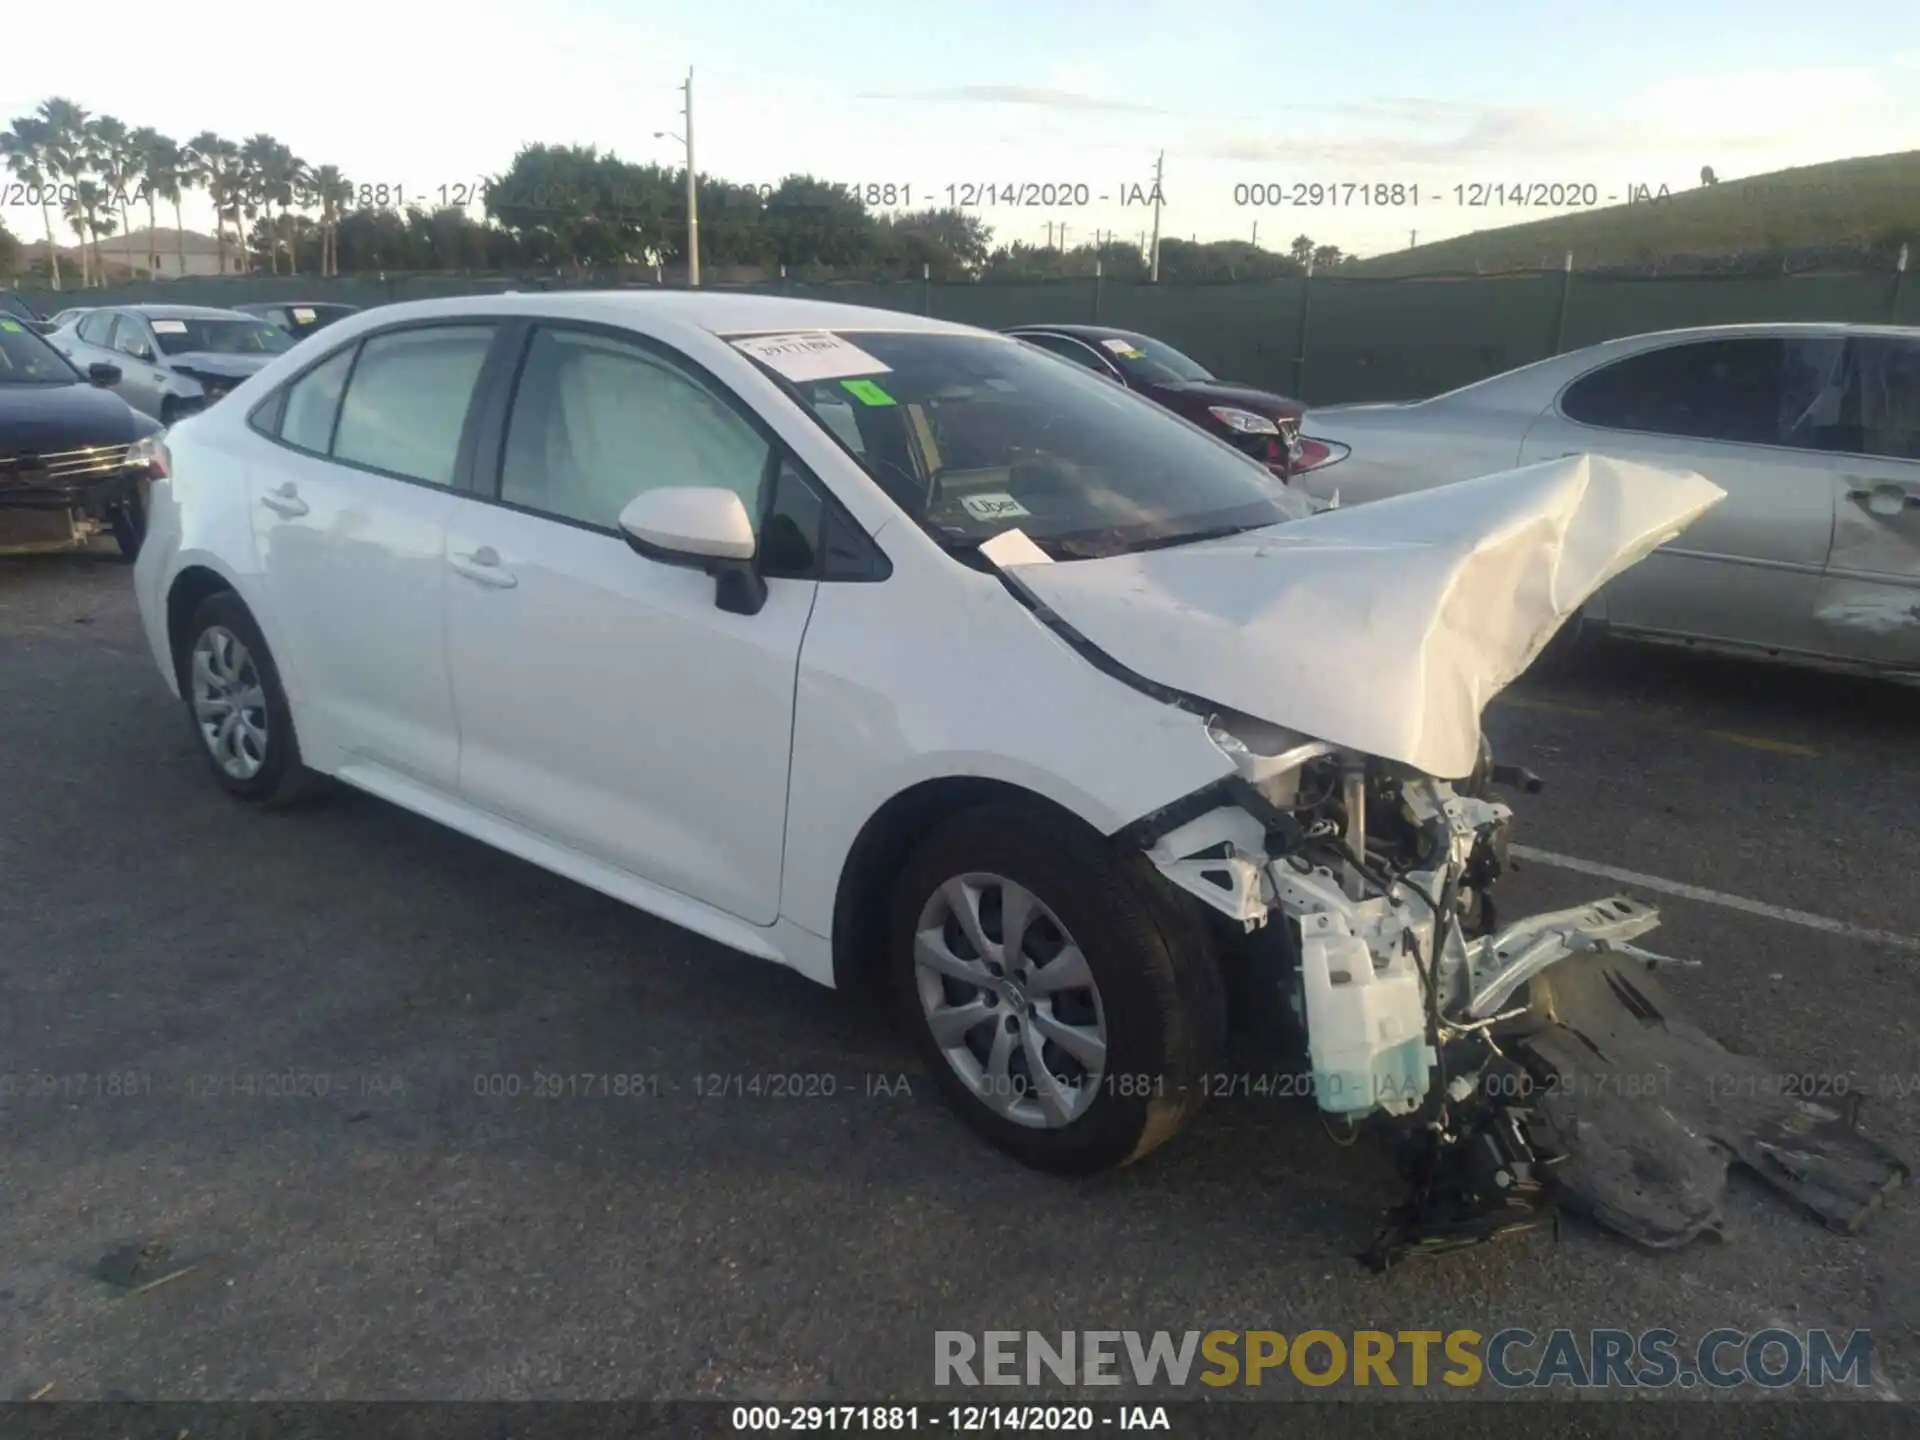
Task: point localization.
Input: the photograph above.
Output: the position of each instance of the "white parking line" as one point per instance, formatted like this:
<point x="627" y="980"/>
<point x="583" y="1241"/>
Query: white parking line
<point x="1716" y="897"/>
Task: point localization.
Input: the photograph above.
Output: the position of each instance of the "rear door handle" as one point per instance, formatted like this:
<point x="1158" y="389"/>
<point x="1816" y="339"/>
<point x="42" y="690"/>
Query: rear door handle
<point x="484" y="566"/>
<point x="284" y="500"/>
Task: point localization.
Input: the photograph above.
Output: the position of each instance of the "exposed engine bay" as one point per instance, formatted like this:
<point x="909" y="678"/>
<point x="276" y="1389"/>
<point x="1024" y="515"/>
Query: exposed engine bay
<point x="1526" y="1065"/>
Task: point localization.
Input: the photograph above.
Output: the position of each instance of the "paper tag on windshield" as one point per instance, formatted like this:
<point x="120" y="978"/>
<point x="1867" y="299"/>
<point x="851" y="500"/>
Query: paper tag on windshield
<point x="12" y="327"/>
<point x="169" y="327"/>
<point x="302" y="315"/>
<point x="1119" y="347"/>
<point x="814" y="356"/>
<point x="1013" y="547"/>
<point x="995" y="506"/>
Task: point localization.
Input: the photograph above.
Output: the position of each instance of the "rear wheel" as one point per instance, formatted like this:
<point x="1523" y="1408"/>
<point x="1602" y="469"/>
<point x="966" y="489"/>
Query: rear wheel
<point x="1066" y="1001"/>
<point x="237" y="707"/>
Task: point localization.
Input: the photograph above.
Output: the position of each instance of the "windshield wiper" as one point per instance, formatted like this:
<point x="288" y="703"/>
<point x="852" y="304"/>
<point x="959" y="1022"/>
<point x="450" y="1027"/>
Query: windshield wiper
<point x="1192" y="537"/>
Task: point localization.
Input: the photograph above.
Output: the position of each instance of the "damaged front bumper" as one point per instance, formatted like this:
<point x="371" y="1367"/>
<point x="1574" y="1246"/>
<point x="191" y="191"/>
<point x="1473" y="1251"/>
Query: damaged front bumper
<point x="1529" y="1063"/>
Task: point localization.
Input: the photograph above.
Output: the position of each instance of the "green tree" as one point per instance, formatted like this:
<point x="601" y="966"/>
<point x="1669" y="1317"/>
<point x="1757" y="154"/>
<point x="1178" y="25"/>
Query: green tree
<point x="26" y="147"/>
<point x="333" y="193"/>
<point x="162" y="176"/>
<point x="214" y="166"/>
<point x="69" y="161"/>
<point x="1301" y="249"/>
<point x="118" y="165"/>
<point x="9" y="251"/>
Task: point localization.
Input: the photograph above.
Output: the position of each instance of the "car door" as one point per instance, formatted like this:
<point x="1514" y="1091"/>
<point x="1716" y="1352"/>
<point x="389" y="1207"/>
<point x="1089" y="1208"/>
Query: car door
<point x="143" y="378"/>
<point x="1869" y="609"/>
<point x="349" y="516"/>
<point x="92" y="341"/>
<point x="604" y="700"/>
<point x="1750" y="413"/>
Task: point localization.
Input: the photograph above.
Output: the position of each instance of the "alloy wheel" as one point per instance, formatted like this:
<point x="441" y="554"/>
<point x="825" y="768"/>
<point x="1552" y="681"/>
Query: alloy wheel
<point x="1010" y="1000"/>
<point x="229" y="704"/>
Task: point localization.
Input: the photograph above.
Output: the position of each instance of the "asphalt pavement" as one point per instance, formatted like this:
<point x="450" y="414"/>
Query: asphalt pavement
<point x="396" y="1116"/>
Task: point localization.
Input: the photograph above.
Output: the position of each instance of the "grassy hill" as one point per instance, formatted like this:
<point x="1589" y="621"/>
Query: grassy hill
<point x="1869" y="200"/>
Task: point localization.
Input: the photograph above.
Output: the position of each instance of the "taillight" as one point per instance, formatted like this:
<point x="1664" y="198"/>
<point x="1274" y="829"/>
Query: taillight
<point x="1311" y="454"/>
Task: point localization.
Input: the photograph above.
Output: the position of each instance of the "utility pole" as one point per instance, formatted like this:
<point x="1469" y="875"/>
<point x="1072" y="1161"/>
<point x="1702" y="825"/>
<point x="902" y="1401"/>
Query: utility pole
<point x="1154" y="254"/>
<point x="693" y="195"/>
<point x="1063" y="236"/>
<point x="1413" y="238"/>
<point x="1256" y="234"/>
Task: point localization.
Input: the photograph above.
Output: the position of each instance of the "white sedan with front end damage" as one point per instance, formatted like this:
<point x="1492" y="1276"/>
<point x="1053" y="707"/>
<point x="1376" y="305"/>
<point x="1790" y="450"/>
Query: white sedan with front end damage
<point x="891" y="650"/>
<point x="1812" y="430"/>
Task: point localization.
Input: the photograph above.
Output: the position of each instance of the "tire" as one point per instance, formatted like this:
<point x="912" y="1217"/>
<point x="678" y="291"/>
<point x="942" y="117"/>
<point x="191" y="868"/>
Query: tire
<point x="272" y="773"/>
<point x="129" y="522"/>
<point x="169" y="410"/>
<point x="1156" y="991"/>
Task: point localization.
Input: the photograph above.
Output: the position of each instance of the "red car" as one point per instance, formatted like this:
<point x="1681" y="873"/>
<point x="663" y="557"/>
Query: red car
<point x="1265" y="425"/>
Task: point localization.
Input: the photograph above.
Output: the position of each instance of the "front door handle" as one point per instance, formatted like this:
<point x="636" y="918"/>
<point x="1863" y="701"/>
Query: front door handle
<point x="1881" y="497"/>
<point x="284" y="500"/>
<point x="484" y="566"/>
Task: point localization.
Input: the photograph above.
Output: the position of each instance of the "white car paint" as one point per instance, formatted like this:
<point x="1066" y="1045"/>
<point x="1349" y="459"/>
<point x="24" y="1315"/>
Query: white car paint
<point x="540" y="687"/>
<point x="1795" y="563"/>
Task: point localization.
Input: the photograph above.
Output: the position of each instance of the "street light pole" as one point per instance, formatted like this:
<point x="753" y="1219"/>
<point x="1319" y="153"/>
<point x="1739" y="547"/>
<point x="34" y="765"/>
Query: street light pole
<point x="693" y="195"/>
<point x="1154" y="253"/>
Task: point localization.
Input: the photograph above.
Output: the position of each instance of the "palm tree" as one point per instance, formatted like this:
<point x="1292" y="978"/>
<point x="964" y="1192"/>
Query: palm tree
<point x="68" y="160"/>
<point x="25" y="146"/>
<point x="262" y="158"/>
<point x="119" y="172"/>
<point x="214" y="166"/>
<point x="157" y="172"/>
<point x="333" y="193"/>
<point x="295" y="186"/>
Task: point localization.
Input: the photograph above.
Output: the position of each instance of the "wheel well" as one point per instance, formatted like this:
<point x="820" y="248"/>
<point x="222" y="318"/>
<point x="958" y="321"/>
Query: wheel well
<point x="190" y="587"/>
<point x="878" y="855"/>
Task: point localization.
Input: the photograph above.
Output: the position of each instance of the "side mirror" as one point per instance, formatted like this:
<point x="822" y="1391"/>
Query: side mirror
<point x="103" y="374"/>
<point x="700" y="528"/>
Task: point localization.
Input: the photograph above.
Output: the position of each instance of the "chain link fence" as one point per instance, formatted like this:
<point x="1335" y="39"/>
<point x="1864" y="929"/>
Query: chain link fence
<point x="1326" y="339"/>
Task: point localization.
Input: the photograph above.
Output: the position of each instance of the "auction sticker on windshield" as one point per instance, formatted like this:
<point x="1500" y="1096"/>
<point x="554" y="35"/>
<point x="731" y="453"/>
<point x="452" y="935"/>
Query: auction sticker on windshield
<point x="1123" y="347"/>
<point x="816" y="356"/>
<point x="169" y="327"/>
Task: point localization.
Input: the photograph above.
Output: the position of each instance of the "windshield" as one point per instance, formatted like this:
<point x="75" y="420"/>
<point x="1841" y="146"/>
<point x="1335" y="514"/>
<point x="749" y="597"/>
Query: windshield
<point x="1150" y="361"/>
<point x="973" y="436"/>
<point x="26" y="359"/>
<point x="220" y="337"/>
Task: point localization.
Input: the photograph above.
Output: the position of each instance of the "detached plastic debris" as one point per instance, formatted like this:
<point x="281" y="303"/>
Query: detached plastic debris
<point x="1640" y="1113"/>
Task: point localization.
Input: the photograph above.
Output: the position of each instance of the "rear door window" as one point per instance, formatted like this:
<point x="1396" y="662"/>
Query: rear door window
<point x="1759" y="391"/>
<point x="407" y="401"/>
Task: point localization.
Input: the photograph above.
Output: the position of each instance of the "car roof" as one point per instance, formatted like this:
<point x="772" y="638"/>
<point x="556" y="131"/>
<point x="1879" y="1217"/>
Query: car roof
<point x="180" y="312"/>
<point x="717" y="313"/>
<point x="254" y="307"/>
<point x="1084" y="332"/>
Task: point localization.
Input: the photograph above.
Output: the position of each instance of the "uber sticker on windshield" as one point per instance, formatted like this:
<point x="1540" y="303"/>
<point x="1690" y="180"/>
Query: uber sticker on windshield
<point x="169" y="327"/>
<point x="996" y="506"/>
<point x="814" y="356"/>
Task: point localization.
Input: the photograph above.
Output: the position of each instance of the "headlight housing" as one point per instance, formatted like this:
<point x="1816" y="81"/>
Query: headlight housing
<point x="1244" y="422"/>
<point x="150" y="453"/>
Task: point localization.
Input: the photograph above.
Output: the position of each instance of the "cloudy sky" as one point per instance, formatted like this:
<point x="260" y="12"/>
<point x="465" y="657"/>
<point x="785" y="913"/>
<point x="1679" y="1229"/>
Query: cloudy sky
<point x="973" y="92"/>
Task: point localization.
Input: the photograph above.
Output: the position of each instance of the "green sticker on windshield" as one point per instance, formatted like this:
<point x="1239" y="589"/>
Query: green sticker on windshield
<point x="866" y="392"/>
<point x="12" y="327"/>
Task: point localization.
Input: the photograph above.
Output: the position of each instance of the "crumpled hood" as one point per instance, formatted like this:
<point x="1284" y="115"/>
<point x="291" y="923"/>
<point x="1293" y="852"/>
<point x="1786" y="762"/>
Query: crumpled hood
<point x="1385" y="628"/>
<point x="224" y="367"/>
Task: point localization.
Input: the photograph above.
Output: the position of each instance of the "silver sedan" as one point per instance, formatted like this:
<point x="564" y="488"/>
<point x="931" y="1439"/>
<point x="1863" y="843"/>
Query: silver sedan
<point x="1812" y="430"/>
<point x="173" y="359"/>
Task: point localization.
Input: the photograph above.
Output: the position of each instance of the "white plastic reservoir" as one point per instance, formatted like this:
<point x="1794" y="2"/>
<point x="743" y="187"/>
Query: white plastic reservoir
<point x="1366" y="1027"/>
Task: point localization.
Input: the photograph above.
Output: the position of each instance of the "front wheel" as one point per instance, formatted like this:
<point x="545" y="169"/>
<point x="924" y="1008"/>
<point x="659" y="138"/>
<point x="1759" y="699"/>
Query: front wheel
<point x="129" y="521"/>
<point x="1066" y="1001"/>
<point x="238" y="708"/>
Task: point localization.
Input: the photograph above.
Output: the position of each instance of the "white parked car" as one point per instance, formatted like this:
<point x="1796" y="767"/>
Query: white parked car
<point x="886" y="648"/>
<point x="1812" y="430"/>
